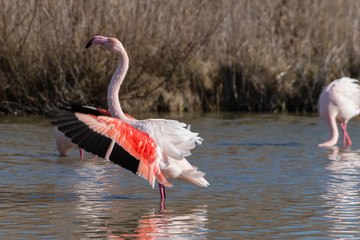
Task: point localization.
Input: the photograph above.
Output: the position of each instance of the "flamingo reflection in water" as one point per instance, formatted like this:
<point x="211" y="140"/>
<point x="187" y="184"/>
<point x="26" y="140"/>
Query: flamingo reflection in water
<point x="342" y="197"/>
<point x="154" y="225"/>
<point x="103" y="209"/>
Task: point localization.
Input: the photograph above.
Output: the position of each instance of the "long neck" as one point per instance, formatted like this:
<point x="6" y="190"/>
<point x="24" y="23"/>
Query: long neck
<point x="114" y="88"/>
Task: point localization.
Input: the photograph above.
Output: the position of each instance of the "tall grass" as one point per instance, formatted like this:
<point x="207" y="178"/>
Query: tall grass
<point x="253" y="55"/>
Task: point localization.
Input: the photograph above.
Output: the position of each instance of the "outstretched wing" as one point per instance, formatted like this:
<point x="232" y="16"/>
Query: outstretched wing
<point x="112" y="139"/>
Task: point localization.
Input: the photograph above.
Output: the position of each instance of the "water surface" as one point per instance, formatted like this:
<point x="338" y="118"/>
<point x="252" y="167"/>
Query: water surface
<point x="268" y="180"/>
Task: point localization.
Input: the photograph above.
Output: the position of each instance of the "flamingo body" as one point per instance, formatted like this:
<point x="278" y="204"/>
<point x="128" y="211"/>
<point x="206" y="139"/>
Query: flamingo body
<point x="154" y="149"/>
<point x="64" y="144"/>
<point x="339" y="101"/>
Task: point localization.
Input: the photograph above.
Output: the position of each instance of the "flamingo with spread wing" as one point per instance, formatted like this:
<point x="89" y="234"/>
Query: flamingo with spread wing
<point x="155" y="149"/>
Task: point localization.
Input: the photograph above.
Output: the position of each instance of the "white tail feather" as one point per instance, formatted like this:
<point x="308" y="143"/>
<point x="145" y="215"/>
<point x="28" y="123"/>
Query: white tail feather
<point x="195" y="177"/>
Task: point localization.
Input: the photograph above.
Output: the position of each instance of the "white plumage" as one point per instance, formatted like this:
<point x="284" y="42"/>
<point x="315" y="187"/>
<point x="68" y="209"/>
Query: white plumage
<point x="64" y="144"/>
<point x="174" y="143"/>
<point x="339" y="101"/>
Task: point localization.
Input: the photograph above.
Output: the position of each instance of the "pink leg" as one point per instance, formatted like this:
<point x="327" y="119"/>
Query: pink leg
<point x="346" y="135"/>
<point x="162" y="196"/>
<point x="342" y="125"/>
<point x="81" y="153"/>
<point x="162" y="192"/>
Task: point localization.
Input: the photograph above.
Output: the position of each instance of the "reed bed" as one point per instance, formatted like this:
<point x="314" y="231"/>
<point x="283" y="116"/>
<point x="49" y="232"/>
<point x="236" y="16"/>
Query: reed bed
<point x="241" y="55"/>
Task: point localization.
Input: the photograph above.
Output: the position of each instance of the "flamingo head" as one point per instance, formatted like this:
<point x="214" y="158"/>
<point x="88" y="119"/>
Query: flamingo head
<point x="111" y="44"/>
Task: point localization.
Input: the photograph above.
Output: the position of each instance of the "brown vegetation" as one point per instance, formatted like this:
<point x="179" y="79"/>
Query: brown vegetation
<point x="268" y="55"/>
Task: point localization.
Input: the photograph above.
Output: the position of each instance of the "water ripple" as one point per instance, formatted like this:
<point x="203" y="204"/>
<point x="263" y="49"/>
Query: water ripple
<point x="267" y="180"/>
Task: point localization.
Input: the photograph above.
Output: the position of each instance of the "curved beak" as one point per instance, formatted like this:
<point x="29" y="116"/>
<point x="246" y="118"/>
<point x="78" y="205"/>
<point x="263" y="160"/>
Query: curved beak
<point x="89" y="43"/>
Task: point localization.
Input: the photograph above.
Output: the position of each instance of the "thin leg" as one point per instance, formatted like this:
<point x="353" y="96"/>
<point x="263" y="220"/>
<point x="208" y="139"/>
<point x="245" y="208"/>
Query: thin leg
<point x="346" y="135"/>
<point x="342" y="125"/>
<point x="162" y="196"/>
<point x="162" y="192"/>
<point x="348" y="138"/>
<point x="81" y="153"/>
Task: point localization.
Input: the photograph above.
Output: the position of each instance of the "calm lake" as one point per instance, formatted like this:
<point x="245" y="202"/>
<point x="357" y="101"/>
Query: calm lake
<point x="268" y="180"/>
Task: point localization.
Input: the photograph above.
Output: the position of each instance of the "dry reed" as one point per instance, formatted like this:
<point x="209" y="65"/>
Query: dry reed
<point x="265" y="55"/>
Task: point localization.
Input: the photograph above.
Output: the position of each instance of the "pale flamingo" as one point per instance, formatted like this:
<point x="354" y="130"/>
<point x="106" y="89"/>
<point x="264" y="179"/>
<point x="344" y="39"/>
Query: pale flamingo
<point x="154" y="149"/>
<point x="64" y="144"/>
<point x="339" y="101"/>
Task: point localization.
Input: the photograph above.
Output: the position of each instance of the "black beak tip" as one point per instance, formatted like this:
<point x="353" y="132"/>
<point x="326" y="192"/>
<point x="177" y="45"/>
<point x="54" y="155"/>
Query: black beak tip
<point x="89" y="43"/>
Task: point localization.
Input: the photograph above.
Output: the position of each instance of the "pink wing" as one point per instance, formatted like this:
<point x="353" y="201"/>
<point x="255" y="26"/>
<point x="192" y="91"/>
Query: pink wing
<point x="112" y="139"/>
